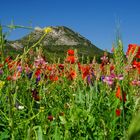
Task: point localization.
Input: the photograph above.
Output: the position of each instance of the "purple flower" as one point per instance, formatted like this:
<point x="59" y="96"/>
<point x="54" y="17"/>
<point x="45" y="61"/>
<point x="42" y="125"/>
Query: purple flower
<point x="104" y="58"/>
<point x="120" y="77"/>
<point x="109" y="80"/>
<point x="30" y="75"/>
<point x="38" y="79"/>
<point x="19" y="68"/>
<point x="102" y="78"/>
<point x="112" y="75"/>
<point x="1" y="72"/>
<point x="135" y="83"/>
<point x="88" y="79"/>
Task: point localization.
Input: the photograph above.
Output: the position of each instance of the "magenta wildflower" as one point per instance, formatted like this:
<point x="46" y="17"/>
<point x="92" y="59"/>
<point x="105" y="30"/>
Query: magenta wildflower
<point x="109" y="80"/>
<point x="19" y="68"/>
<point x="1" y="72"/>
<point x="120" y="77"/>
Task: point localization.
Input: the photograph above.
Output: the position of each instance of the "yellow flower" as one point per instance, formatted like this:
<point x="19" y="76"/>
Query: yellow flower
<point x="41" y="109"/>
<point x="47" y="30"/>
<point x="2" y="84"/>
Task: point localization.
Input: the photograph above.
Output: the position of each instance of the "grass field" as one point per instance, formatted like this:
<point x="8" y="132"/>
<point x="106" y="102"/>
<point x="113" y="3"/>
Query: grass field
<point x="70" y="100"/>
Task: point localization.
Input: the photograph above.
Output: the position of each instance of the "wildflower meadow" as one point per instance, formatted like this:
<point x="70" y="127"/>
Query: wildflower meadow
<point x="69" y="100"/>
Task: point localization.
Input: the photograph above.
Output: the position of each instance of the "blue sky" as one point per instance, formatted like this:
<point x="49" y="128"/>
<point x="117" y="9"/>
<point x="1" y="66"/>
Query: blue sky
<point x="97" y="20"/>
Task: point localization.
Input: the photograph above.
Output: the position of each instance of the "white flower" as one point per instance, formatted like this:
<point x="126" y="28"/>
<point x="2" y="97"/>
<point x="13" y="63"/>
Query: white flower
<point x="20" y="107"/>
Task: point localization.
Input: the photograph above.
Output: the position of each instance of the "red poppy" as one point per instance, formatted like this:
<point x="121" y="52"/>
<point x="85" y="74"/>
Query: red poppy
<point x="79" y="66"/>
<point x="119" y="94"/>
<point x="136" y="64"/>
<point x="9" y="78"/>
<point x="72" y="75"/>
<point x="118" y="112"/>
<point x="70" y="52"/>
<point x="71" y="59"/>
<point x="49" y="68"/>
<point x="131" y="50"/>
<point x="38" y="72"/>
<point x="53" y="78"/>
<point x="85" y="71"/>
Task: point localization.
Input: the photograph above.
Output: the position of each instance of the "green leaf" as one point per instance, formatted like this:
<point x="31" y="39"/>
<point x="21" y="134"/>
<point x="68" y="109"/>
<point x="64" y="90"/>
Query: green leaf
<point x="134" y="128"/>
<point x="4" y="135"/>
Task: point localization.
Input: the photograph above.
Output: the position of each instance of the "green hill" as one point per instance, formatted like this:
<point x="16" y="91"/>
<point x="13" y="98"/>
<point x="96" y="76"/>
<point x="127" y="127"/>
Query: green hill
<point x="56" y="43"/>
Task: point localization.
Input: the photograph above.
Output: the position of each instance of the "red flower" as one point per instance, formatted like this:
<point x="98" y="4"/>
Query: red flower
<point x="119" y="94"/>
<point x="8" y="59"/>
<point x="35" y="95"/>
<point x="71" y="59"/>
<point x="9" y="78"/>
<point x="72" y="75"/>
<point x="112" y="67"/>
<point x="70" y="52"/>
<point x="85" y="71"/>
<point x="49" y="68"/>
<point x="16" y="75"/>
<point x="50" y="118"/>
<point x="61" y="66"/>
<point x="131" y="50"/>
<point x="53" y="78"/>
<point x="1" y="65"/>
<point x="38" y="72"/>
<point x="118" y="112"/>
<point x="102" y="66"/>
<point x="136" y="64"/>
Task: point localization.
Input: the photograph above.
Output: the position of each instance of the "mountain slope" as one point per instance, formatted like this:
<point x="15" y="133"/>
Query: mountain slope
<point x="57" y="42"/>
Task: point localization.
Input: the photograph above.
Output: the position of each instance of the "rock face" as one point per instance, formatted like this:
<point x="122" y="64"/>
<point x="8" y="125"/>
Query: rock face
<point x="60" y="35"/>
<point x="57" y="42"/>
<point x="16" y="45"/>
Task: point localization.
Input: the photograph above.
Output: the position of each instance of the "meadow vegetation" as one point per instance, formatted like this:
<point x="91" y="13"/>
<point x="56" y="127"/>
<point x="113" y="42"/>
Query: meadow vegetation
<point x="69" y="99"/>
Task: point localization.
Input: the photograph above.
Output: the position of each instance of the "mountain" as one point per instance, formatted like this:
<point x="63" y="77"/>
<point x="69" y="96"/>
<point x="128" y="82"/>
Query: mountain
<point x="56" y="43"/>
